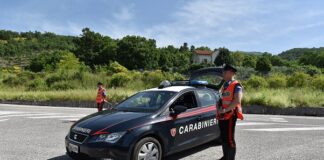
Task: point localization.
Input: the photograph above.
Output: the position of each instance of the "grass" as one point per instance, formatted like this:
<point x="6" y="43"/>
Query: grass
<point x="114" y="95"/>
<point x="290" y="97"/>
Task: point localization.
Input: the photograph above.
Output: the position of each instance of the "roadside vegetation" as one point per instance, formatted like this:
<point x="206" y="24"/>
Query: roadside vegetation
<point x="47" y="67"/>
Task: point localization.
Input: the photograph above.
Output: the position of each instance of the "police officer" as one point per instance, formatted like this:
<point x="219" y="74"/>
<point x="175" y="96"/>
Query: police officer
<point x="101" y="96"/>
<point x="229" y="111"/>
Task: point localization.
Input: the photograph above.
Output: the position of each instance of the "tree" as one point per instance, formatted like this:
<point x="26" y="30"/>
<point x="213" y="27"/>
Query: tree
<point x="47" y="61"/>
<point x="263" y="64"/>
<point x="223" y="57"/>
<point x="68" y="61"/>
<point x="277" y="61"/>
<point x="204" y="48"/>
<point x="238" y="58"/>
<point x="192" y="48"/>
<point x="312" y="58"/>
<point x="95" y="49"/>
<point x="166" y="57"/>
<point x="184" y="47"/>
<point x="135" y="52"/>
<point x="249" y="61"/>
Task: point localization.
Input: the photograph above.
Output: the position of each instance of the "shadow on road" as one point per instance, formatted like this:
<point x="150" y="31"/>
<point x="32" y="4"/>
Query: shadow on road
<point x="191" y="151"/>
<point x="176" y="156"/>
<point x="62" y="157"/>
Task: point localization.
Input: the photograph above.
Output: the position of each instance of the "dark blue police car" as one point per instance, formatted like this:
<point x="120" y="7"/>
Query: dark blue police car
<point x="153" y="123"/>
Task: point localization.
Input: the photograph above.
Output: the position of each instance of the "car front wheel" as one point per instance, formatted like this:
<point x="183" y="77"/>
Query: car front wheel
<point x="147" y="149"/>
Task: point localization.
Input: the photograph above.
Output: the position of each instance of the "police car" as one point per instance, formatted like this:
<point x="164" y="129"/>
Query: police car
<point x="153" y="123"/>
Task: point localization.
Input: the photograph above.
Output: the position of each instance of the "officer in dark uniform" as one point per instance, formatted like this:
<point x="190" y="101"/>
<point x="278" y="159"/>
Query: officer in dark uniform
<point x="229" y="110"/>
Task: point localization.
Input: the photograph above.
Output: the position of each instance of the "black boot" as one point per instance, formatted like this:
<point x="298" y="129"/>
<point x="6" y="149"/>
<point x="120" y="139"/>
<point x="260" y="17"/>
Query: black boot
<point x="231" y="153"/>
<point x="225" y="151"/>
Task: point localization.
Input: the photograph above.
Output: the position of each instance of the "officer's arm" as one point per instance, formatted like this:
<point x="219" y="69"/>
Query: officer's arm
<point x="237" y="100"/>
<point x="104" y="93"/>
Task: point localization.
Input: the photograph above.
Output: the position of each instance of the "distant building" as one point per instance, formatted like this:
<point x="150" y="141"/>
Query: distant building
<point x="203" y="56"/>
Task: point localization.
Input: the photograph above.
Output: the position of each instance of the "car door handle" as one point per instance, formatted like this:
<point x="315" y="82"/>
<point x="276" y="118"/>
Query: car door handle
<point x="199" y="118"/>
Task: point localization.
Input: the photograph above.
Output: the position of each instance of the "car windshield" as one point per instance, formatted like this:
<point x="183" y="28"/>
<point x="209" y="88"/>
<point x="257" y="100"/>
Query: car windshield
<point x="147" y="101"/>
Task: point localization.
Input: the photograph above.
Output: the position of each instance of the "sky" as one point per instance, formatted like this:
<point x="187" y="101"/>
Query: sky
<point x="246" y="25"/>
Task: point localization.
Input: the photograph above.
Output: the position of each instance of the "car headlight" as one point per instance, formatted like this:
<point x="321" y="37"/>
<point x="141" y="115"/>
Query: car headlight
<point x="110" y="138"/>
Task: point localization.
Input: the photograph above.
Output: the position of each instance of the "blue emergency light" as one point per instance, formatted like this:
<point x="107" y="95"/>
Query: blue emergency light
<point x="198" y="82"/>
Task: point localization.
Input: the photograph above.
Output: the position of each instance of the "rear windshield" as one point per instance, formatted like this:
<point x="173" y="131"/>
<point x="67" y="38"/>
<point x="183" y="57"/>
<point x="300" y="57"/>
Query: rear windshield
<point x="147" y="101"/>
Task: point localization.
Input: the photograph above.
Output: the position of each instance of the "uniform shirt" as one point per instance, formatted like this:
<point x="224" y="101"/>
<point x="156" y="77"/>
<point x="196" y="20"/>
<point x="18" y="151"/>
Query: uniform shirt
<point x="104" y="93"/>
<point x="238" y="88"/>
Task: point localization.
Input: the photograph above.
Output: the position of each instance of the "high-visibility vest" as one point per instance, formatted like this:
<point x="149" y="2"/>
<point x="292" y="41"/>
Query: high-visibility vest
<point x="227" y="99"/>
<point x="100" y="95"/>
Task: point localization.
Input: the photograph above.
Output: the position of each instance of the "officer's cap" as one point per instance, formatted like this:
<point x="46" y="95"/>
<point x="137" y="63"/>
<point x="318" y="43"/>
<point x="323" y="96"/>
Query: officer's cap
<point x="229" y="67"/>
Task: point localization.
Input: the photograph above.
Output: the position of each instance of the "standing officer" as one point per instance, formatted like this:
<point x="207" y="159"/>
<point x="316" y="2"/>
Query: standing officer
<point x="229" y="111"/>
<point x="101" y="96"/>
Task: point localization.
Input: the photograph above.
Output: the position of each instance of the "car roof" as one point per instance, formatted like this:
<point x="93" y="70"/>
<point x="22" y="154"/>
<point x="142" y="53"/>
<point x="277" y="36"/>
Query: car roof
<point x="171" y="88"/>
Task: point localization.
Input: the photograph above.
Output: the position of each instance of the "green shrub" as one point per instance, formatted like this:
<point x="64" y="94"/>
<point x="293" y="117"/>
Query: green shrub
<point x="153" y="78"/>
<point x="256" y="82"/>
<point x="37" y="84"/>
<point x="68" y="61"/>
<point x="119" y="79"/>
<point x="318" y="82"/>
<point x="53" y="78"/>
<point x="89" y="80"/>
<point x="115" y="67"/>
<point x="298" y="79"/>
<point x="135" y="75"/>
<point x="277" y="81"/>
<point x="178" y="76"/>
<point x="311" y="70"/>
<point x="63" y="85"/>
<point x="27" y="75"/>
<point x="14" y="81"/>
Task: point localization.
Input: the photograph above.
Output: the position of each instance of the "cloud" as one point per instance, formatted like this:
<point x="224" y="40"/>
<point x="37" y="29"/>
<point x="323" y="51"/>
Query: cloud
<point x="198" y="21"/>
<point x="125" y="13"/>
<point x="257" y="25"/>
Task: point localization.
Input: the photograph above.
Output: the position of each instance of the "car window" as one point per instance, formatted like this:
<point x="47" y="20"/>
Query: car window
<point x="187" y="99"/>
<point x="146" y="101"/>
<point x="211" y="75"/>
<point x="206" y="98"/>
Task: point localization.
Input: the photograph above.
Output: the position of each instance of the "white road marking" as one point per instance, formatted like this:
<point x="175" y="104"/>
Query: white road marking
<point x="2" y="120"/>
<point x="49" y="107"/>
<point x="287" y="129"/>
<point x="72" y="119"/>
<point x="59" y="116"/>
<point x="253" y="123"/>
<point x="277" y="119"/>
<point x="29" y="114"/>
<point x="10" y="112"/>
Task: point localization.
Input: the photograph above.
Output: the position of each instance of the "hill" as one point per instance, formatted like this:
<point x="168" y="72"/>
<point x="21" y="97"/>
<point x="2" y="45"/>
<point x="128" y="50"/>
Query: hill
<point x="296" y="53"/>
<point x="27" y="43"/>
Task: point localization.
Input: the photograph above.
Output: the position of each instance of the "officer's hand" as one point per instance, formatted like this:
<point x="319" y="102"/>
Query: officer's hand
<point x="222" y="111"/>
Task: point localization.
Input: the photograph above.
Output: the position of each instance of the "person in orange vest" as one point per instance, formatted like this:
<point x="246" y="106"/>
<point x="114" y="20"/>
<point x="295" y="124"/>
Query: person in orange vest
<point x="101" y="96"/>
<point x="229" y="111"/>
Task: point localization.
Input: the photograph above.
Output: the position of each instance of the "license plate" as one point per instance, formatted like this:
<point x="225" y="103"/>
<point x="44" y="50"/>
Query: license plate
<point x="73" y="148"/>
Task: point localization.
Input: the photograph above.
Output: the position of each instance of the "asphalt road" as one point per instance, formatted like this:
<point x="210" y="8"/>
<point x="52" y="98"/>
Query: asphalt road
<point x="36" y="132"/>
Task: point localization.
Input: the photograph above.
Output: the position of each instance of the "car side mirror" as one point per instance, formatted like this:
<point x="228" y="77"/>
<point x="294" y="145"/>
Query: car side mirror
<point x="177" y="110"/>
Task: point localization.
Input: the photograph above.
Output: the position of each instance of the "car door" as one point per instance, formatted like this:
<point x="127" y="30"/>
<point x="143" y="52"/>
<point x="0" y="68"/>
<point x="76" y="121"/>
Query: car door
<point x="183" y="134"/>
<point x="213" y="75"/>
<point x="207" y="100"/>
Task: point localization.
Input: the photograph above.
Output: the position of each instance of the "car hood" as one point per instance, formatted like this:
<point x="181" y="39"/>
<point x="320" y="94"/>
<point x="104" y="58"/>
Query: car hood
<point x="101" y="122"/>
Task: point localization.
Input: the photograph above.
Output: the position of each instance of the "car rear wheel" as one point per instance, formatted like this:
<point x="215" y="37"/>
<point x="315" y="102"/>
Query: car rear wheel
<point x="147" y="149"/>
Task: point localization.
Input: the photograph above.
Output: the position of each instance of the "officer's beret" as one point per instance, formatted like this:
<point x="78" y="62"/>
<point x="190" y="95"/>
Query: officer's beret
<point x="228" y="67"/>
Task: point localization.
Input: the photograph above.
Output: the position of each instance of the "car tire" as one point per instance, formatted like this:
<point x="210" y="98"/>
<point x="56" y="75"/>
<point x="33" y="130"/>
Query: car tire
<point x="147" y="147"/>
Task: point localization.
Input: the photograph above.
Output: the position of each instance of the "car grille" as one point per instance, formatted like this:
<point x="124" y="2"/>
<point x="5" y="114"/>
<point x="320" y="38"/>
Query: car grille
<point x="77" y="137"/>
